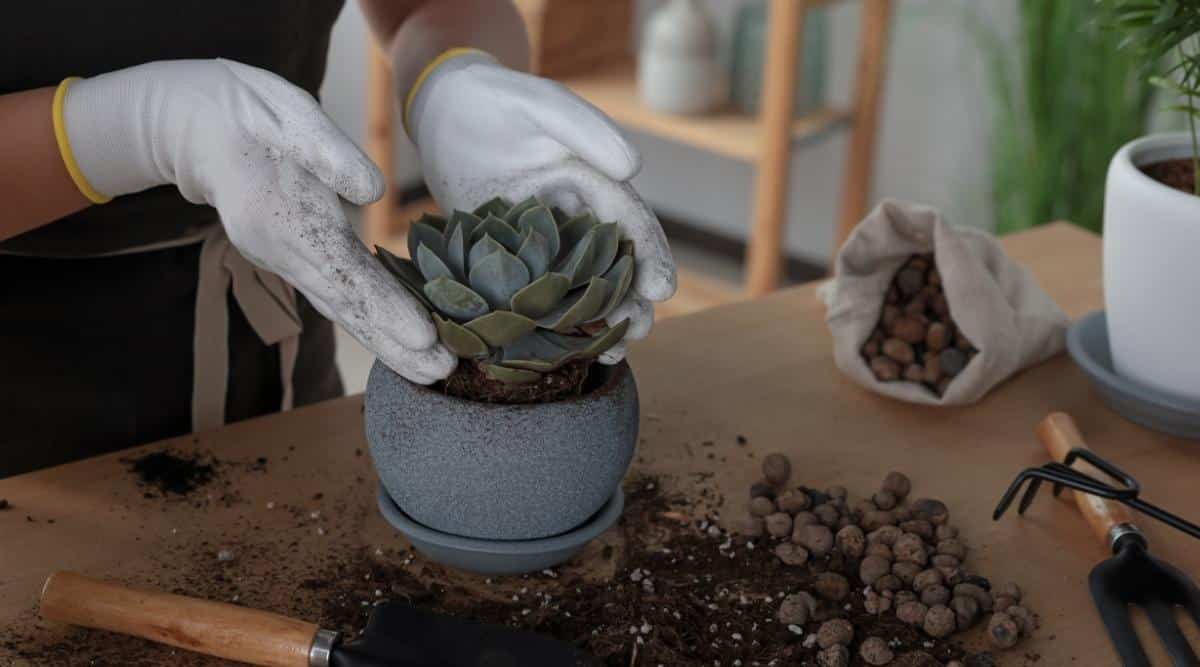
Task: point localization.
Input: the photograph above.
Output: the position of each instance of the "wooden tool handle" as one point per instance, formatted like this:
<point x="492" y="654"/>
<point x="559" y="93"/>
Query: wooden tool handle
<point x="213" y="628"/>
<point x="1060" y="435"/>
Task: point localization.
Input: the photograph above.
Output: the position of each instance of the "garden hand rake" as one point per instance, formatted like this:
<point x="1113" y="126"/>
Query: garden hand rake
<point x="1131" y="576"/>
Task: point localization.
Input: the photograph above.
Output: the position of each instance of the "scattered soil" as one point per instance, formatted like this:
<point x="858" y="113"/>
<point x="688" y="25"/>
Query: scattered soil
<point x="676" y="591"/>
<point x="173" y="473"/>
<point x="470" y="382"/>
<point x="1179" y="174"/>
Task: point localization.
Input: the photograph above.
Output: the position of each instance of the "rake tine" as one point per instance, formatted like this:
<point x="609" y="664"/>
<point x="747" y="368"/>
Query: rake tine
<point x="1121" y="632"/>
<point x="1131" y="486"/>
<point x="1162" y="617"/>
<point x="1030" y="491"/>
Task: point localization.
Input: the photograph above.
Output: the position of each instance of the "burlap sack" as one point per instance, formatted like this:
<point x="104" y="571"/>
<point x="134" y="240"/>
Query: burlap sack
<point x="994" y="302"/>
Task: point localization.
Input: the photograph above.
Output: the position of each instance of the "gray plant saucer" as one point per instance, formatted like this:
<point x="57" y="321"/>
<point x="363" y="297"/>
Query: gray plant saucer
<point x="500" y="557"/>
<point x="1087" y="341"/>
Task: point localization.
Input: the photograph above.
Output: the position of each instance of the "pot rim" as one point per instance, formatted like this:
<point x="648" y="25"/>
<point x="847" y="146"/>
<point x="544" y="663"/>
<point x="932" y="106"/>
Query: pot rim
<point x="616" y="373"/>
<point x="1135" y="153"/>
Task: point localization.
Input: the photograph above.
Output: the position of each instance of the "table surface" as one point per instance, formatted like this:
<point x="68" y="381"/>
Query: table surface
<point x="762" y="369"/>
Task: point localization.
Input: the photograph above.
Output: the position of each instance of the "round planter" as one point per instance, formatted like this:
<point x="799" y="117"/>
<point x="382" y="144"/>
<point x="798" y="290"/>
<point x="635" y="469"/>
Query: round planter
<point x="501" y="472"/>
<point x="1151" y="273"/>
<point x="678" y="71"/>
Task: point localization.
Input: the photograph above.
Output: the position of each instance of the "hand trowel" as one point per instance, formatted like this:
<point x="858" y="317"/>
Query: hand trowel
<point x="396" y="635"/>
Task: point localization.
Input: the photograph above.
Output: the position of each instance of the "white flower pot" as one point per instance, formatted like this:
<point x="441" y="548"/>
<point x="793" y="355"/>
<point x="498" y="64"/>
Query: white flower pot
<point x="1152" y="269"/>
<point x="678" y="70"/>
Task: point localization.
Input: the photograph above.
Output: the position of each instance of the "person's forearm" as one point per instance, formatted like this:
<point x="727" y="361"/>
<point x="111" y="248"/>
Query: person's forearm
<point x="35" y="187"/>
<point x="414" y="32"/>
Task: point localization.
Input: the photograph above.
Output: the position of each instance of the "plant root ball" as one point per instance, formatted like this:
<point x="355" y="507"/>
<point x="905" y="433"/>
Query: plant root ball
<point x="939" y="621"/>
<point x="817" y="539"/>
<point x="791" y="554"/>
<point x="872" y="568"/>
<point x="762" y="506"/>
<point x="875" y="651"/>
<point x="793" y="502"/>
<point x="851" y="541"/>
<point x="832" y="586"/>
<point x="912" y="613"/>
<point x="1003" y="631"/>
<point x="835" y="632"/>
<point x="779" y="524"/>
<point x="834" y="656"/>
<point x="777" y="468"/>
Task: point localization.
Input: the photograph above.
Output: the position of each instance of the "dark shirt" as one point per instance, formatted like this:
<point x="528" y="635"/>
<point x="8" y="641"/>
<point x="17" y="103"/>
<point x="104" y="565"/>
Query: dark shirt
<point x="44" y="41"/>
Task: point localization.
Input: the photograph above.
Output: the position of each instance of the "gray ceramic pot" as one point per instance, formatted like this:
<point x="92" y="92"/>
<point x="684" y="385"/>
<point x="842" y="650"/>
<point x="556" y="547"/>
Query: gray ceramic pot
<point x="501" y="472"/>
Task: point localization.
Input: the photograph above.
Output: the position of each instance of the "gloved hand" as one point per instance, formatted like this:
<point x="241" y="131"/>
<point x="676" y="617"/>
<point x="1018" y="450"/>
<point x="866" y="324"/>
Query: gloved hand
<point x="484" y="130"/>
<point x="262" y="152"/>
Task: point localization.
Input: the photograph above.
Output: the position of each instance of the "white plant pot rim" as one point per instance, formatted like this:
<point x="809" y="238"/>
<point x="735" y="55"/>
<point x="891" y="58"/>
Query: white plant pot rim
<point x="1148" y="150"/>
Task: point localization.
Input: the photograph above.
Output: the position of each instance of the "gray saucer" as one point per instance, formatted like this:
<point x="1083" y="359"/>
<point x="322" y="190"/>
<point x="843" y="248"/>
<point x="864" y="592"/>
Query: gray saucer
<point x="500" y="557"/>
<point x="1087" y="341"/>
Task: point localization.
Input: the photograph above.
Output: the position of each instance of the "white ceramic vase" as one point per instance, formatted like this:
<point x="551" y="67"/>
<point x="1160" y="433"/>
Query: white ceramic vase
<point x="678" y="69"/>
<point x="1152" y="269"/>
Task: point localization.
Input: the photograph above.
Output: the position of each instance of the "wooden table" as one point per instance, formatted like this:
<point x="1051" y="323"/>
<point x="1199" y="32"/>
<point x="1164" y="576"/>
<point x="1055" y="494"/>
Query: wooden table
<point x="761" y="369"/>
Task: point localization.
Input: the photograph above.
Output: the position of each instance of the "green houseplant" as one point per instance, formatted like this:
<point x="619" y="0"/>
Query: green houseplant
<point x="527" y="442"/>
<point x="1152" y="211"/>
<point x="1064" y="98"/>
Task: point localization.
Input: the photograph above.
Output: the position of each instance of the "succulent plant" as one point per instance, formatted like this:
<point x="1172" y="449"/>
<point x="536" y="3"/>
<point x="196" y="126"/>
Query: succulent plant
<point x="521" y="289"/>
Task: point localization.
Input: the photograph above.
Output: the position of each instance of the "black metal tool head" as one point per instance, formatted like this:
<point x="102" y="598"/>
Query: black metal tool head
<point x="1135" y="578"/>
<point x="398" y="635"/>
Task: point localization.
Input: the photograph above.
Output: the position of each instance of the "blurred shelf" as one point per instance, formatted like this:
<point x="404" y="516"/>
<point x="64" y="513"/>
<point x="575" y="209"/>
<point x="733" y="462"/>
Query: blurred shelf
<point x="725" y="131"/>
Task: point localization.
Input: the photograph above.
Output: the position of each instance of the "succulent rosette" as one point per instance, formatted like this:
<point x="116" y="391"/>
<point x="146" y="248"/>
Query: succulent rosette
<point x="520" y="289"/>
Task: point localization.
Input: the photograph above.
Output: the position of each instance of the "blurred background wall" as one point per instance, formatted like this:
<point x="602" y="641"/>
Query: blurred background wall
<point x="933" y="143"/>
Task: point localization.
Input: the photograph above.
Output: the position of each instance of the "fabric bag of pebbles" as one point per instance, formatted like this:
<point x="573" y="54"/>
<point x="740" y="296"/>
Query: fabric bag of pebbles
<point x="993" y="301"/>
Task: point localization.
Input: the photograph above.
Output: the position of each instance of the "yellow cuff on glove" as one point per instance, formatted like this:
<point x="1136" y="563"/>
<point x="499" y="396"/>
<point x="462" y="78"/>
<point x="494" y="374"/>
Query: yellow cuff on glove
<point x="64" y="146"/>
<point x="448" y="54"/>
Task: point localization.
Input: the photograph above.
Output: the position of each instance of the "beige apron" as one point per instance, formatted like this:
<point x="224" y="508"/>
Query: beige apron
<point x="268" y="303"/>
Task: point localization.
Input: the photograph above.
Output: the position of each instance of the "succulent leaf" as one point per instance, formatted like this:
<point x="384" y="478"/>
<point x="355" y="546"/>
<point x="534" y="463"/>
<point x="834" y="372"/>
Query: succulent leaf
<point x="536" y="352"/>
<point x="500" y="231"/>
<point x="482" y="248"/>
<point x="560" y="216"/>
<point x="541" y="296"/>
<point x="514" y="213"/>
<point x="511" y="375"/>
<point x="421" y="232"/>
<point x="406" y="273"/>
<point x="577" y="308"/>
<point x="572" y="232"/>
<point x="495" y="206"/>
<point x="625" y="248"/>
<point x="578" y="264"/>
<point x="431" y="265"/>
<point x="468" y="222"/>
<point x="435" y="221"/>
<point x="456" y="250"/>
<point x="535" y="252"/>
<point x="541" y="220"/>
<point x="601" y="342"/>
<point x="459" y="339"/>
<point x="455" y="300"/>
<point x="498" y="276"/>
<point x="607" y="238"/>
<point x="619" y="278"/>
<point x="501" y="327"/>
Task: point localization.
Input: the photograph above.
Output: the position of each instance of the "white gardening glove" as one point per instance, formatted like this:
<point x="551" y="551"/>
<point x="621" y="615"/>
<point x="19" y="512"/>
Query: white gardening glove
<point x="483" y="130"/>
<point x="262" y="152"/>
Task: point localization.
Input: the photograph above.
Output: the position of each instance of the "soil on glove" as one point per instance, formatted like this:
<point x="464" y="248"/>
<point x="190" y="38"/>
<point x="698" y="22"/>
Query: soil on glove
<point x="1179" y="174"/>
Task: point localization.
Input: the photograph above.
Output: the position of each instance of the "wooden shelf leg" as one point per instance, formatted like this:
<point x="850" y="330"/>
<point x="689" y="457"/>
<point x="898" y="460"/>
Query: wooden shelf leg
<point x="860" y="152"/>
<point x="377" y="217"/>
<point x="764" y="250"/>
